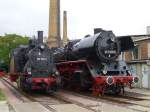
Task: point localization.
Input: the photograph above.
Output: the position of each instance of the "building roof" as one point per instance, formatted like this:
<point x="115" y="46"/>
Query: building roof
<point x="139" y="61"/>
<point x="136" y="39"/>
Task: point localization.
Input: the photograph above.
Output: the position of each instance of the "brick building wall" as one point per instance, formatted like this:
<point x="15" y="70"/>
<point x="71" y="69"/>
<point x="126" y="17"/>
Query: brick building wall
<point x="138" y="62"/>
<point x="143" y="47"/>
<point x="128" y="56"/>
<point x="143" y="50"/>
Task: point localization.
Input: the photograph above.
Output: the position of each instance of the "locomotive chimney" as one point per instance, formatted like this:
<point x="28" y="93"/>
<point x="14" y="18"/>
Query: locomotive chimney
<point x="97" y="30"/>
<point x="40" y="36"/>
<point x="54" y="39"/>
<point x="65" y="37"/>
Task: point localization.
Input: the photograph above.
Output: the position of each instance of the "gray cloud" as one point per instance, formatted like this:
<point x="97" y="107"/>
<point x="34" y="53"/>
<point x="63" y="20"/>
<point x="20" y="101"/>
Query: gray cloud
<point x="124" y="17"/>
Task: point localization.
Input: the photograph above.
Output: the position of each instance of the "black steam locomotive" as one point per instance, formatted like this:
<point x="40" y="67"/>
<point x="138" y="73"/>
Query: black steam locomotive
<point x="93" y="63"/>
<point x="32" y="66"/>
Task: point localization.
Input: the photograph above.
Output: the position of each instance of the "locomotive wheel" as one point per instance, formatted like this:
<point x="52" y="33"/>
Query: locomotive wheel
<point x="59" y="82"/>
<point x="64" y="82"/>
<point x="83" y="82"/>
<point x="98" y="90"/>
<point x="51" y="89"/>
<point x="18" y="83"/>
<point x="21" y="84"/>
<point x="117" y="91"/>
<point x="85" y="79"/>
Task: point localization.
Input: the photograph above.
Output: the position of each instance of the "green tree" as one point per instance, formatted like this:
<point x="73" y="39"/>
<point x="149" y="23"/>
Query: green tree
<point x="7" y="43"/>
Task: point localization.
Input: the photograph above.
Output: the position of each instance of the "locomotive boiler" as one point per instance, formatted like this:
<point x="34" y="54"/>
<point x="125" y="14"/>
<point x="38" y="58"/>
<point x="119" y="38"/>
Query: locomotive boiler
<point x="92" y="63"/>
<point x="32" y="66"/>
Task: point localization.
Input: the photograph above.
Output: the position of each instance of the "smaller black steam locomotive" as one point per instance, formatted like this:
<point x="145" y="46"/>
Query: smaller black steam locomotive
<point x="92" y="63"/>
<point x="32" y="66"/>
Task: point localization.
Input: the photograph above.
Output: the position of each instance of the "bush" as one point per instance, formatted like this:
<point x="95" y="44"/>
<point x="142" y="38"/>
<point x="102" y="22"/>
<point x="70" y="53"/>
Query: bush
<point x="7" y="43"/>
<point x="2" y="97"/>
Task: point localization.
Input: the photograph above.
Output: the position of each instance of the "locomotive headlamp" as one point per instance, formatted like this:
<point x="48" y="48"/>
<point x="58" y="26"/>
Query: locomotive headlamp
<point x="110" y="80"/>
<point x="29" y="73"/>
<point x="104" y="71"/>
<point x="42" y="46"/>
<point x="57" y="73"/>
<point x="39" y="53"/>
<point x="53" y="75"/>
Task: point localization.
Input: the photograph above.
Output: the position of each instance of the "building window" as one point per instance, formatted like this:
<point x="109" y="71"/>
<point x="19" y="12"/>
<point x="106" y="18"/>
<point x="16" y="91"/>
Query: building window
<point x="135" y="52"/>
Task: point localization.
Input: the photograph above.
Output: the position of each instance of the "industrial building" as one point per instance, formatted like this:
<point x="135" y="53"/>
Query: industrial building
<point x="139" y="60"/>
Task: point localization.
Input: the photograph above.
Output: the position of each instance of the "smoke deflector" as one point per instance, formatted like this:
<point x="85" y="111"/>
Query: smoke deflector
<point x="126" y="43"/>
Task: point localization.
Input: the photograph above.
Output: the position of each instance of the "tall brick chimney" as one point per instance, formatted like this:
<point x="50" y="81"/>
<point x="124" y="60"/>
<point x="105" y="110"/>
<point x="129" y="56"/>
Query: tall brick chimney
<point x="65" y="36"/>
<point x="54" y="39"/>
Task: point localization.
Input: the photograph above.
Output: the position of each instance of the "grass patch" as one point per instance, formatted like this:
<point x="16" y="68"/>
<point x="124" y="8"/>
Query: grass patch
<point x="2" y="96"/>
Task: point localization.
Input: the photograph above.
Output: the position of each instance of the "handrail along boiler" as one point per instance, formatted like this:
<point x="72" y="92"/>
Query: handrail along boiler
<point x="93" y="62"/>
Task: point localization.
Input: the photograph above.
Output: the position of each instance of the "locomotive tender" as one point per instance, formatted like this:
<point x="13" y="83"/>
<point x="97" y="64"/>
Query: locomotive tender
<point x="32" y="66"/>
<point x="92" y="63"/>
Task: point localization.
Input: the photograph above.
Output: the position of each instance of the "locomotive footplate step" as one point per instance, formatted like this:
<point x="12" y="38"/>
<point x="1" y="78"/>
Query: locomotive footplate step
<point x="29" y="107"/>
<point x="69" y="108"/>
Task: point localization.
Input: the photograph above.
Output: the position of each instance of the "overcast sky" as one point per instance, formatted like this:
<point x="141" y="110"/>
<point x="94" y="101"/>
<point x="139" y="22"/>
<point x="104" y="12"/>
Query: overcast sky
<point x="124" y="17"/>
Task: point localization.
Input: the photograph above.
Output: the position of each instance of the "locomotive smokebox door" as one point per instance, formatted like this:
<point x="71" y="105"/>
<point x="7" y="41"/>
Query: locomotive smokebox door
<point x="126" y="43"/>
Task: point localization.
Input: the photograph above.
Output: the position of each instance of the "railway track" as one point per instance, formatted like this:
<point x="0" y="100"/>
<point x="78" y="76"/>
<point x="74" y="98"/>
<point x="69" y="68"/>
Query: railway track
<point x="18" y="94"/>
<point x="54" y="99"/>
<point x="129" y="100"/>
<point x="42" y="98"/>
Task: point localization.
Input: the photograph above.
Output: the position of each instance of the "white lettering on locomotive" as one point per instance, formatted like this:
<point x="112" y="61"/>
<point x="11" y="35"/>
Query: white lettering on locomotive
<point x="110" y="52"/>
<point x="41" y="59"/>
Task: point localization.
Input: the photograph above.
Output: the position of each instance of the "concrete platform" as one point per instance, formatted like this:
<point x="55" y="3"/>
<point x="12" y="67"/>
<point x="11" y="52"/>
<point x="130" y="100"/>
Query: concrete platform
<point x="69" y="108"/>
<point x="98" y="108"/>
<point x="112" y="108"/>
<point x="140" y="108"/>
<point x="139" y="91"/>
<point x="29" y="107"/>
<point x="4" y="106"/>
<point x="144" y="103"/>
